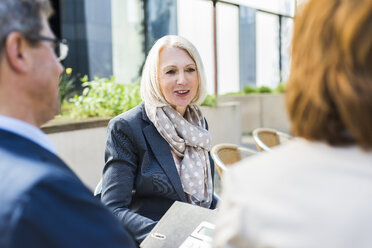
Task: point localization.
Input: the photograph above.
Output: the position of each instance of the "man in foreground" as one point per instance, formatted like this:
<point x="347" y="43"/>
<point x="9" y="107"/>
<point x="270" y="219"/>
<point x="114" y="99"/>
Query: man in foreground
<point x="42" y="202"/>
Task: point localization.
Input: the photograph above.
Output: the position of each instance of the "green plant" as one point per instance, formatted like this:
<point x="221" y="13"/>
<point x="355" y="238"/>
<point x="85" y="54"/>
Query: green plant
<point x="234" y="93"/>
<point x="264" y="89"/>
<point x="66" y="84"/>
<point x="104" y="97"/>
<point x="210" y="101"/>
<point x="249" y="89"/>
<point x="280" y="88"/>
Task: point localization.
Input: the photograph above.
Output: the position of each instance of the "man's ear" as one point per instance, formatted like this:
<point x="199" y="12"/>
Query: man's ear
<point x="14" y="50"/>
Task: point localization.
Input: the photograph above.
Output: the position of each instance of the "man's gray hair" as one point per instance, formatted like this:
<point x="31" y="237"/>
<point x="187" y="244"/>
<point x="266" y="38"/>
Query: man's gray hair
<point x="24" y="16"/>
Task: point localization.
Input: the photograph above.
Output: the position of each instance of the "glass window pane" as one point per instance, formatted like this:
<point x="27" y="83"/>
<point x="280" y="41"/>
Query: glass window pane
<point x="267" y="41"/>
<point x="99" y="38"/>
<point x="127" y="40"/>
<point x="284" y="7"/>
<point x="247" y="45"/>
<point x="228" y="48"/>
<point x="161" y="19"/>
<point x="287" y="30"/>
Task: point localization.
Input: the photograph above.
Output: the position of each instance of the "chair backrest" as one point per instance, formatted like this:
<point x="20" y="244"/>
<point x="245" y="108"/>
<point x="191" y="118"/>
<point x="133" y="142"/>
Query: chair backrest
<point x="266" y="138"/>
<point x="226" y="154"/>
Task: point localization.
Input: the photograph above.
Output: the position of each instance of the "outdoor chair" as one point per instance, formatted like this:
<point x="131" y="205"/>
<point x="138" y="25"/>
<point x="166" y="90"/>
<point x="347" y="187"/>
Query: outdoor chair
<point x="226" y="154"/>
<point x="266" y="138"/>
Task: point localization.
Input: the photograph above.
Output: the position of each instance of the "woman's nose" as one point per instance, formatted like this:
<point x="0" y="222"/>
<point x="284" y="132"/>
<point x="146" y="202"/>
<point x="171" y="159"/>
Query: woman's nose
<point x="181" y="78"/>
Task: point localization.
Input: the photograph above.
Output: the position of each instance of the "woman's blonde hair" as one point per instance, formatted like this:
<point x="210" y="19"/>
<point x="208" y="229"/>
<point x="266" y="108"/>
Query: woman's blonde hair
<point x="329" y="94"/>
<point x="150" y="88"/>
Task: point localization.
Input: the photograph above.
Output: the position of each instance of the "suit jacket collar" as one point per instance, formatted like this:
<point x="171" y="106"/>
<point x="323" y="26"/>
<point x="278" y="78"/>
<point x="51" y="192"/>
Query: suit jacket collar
<point x="26" y="130"/>
<point x="163" y="154"/>
<point x="26" y="148"/>
<point x="144" y="115"/>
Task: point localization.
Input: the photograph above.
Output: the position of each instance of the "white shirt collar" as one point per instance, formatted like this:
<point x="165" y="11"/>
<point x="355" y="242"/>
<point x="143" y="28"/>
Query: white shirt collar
<point x="27" y="131"/>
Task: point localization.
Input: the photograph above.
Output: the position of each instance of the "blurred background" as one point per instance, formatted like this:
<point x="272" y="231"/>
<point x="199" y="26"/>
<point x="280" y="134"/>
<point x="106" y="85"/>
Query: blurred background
<point x="244" y="44"/>
<point x="241" y="42"/>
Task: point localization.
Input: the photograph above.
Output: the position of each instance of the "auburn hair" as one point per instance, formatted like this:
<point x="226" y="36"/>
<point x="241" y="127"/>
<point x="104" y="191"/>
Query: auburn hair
<point x="329" y="93"/>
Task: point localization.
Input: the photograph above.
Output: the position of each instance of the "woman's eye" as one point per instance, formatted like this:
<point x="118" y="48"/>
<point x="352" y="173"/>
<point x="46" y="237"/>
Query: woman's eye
<point x="190" y="70"/>
<point x="171" y="72"/>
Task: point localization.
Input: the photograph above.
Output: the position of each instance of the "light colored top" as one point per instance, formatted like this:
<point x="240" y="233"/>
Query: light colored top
<point x="27" y="131"/>
<point x="301" y="194"/>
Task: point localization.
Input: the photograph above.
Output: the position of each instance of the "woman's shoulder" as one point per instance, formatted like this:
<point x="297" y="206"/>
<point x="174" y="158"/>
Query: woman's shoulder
<point x="131" y="117"/>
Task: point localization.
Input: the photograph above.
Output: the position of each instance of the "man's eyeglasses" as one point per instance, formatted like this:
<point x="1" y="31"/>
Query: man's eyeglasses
<point x="60" y="46"/>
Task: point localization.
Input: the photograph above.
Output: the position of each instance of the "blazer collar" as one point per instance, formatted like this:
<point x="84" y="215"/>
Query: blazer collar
<point x="144" y="115"/>
<point x="27" y="148"/>
<point x="163" y="154"/>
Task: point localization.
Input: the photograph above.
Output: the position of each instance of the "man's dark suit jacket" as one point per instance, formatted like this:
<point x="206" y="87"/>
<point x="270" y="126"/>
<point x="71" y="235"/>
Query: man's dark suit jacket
<point x="140" y="179"/>
<point x="44" y="204"/>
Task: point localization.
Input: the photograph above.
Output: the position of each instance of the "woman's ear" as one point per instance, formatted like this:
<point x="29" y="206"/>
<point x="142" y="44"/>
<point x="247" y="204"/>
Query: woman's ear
<point x="14" y="51"/>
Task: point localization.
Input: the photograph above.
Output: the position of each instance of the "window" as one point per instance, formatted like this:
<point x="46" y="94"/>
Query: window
<point x="267" y="40"/>
<point x="227" y="48"/>
<point x="127" y="40"/>
<point x="161" y="19"/>
<point x="286" y="38"/>
<point x="247" y="46"/>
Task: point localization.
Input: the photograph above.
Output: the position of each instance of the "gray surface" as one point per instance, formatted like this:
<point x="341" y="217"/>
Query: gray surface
<point x="248" y="141"/>
<point x="177" y="224"/>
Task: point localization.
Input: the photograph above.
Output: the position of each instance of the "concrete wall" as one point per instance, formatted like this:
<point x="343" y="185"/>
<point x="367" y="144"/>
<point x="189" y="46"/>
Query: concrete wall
<point x="224" y="122"/>
<point x="261" y="110"/>
<point x="83" y="149"/>
<point x="274" y="113"/>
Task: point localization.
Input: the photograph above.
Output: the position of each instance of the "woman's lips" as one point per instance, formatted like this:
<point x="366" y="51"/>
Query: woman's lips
<point x="182" y="92"/>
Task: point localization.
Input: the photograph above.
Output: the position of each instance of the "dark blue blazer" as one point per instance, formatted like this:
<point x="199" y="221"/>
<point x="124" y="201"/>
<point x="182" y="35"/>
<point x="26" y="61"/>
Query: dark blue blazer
<point x="44" y="204"/>
<point x="140" y="180"/>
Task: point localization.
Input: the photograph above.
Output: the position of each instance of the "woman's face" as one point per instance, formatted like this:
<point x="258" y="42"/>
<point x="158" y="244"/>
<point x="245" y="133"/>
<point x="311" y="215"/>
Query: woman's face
<point x="178" y="77"/>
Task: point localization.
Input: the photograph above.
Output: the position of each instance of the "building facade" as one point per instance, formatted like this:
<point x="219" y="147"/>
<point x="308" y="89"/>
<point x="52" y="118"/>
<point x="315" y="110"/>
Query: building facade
<point x="112" y="37"/>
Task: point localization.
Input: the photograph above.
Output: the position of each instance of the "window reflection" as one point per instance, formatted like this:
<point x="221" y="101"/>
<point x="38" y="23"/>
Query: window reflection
<point x="287" y="28"/>
<point x="247" y="46"/>
<point x="267" y="40"/>
<point x="161" y="20"/>
<point x="127" y="40"/>
<point x="227" y="48"/>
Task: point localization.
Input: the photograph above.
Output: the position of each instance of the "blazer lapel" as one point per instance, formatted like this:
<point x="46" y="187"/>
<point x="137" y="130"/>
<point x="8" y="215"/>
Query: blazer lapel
<point x="163" y="154"/>
<point x="15" y="142"/>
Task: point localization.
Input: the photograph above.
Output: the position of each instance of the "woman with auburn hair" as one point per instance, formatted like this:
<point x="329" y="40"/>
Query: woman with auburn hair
<point x="315" y="191"/>
<point x="158" y="152"/>
<point x="330" y="87"/>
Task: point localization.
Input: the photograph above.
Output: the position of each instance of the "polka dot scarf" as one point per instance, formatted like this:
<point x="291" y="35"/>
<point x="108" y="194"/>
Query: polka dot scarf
<point x="190" y="141"/>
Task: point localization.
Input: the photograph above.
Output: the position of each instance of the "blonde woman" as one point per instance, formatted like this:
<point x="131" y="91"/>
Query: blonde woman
<point x="158" y="152"/>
